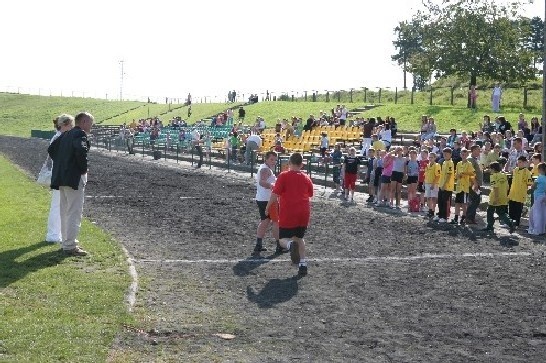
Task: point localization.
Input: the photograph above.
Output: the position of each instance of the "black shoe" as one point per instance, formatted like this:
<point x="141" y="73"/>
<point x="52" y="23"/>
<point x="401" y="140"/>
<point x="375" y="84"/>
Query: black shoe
<point x="279" y="250"/>
<point x="294" y="252"/>
<point x="454" y="221"/>
<point x="302" y="270"/>
<point x="512" y="228"/>
<point x="259" y="248"/>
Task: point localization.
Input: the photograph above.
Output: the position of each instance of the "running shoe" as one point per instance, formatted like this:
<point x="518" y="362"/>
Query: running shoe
<point x="302" y="270"/>
<point x="442" y="220"/>
<point x="294" y="252"/>
<point x="436" y="218"/>
<point x="279" y="250"/>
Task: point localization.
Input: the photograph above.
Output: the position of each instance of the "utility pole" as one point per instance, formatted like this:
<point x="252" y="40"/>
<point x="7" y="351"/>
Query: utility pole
<point x="121" y="80"/>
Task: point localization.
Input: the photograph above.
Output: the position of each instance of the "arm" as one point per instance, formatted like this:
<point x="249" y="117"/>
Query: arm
<point x="80" y="146"/>
<point x="264" y="174"/>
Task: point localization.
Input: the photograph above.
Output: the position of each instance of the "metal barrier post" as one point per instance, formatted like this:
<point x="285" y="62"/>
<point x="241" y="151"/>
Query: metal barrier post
<point x="177" y="151"/>
<point x="192" y="155"/>
<point x="252" y="156"/>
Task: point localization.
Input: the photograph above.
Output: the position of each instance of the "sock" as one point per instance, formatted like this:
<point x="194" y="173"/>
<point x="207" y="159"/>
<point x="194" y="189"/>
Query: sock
<point x="303" y="262"/>
<point x="258" y="241"/>
<point x="456" y="217"/>
<point x="463" y="218"/>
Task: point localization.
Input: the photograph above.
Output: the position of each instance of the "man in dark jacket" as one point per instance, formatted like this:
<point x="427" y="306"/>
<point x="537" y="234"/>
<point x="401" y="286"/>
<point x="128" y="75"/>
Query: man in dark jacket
<point x="69" y="176"/>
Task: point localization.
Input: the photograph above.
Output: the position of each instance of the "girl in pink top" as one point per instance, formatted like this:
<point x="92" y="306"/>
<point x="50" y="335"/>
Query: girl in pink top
<point x="385" y="191"/>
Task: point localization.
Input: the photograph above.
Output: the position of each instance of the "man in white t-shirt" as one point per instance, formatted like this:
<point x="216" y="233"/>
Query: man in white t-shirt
<point x="253" y="143"/>
<point x="496" y="97"/>
<point x="196" y="140"/>
<point x="343" y="116"/>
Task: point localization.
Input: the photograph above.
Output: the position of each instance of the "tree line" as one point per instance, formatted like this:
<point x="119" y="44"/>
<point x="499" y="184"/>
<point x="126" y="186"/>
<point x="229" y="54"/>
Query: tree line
<point x="470" y="39"/>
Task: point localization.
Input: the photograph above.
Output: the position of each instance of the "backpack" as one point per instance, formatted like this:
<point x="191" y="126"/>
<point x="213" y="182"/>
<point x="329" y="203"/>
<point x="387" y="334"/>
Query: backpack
<point x="414" y="205"/>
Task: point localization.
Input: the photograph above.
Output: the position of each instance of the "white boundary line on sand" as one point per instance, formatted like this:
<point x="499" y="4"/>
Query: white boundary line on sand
<point x="357" y="260"/>
<point x="133" y="286"/>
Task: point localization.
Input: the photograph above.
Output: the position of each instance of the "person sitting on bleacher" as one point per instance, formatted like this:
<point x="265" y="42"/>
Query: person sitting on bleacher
<point x="452" y="138"/>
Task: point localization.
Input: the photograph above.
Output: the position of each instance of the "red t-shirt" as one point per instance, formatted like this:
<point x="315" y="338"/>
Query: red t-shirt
<point x="422" y="166"/>
<point x="294" y="190"/>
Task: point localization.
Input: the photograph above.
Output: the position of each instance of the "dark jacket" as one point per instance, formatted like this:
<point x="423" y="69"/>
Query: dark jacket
<point x="69" y="155"/>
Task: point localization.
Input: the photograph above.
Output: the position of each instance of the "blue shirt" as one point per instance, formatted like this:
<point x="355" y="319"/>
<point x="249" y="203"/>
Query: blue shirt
<point x="336" y="157"/>
<point x="413" y="168"/>
<point x="540" y="189"/>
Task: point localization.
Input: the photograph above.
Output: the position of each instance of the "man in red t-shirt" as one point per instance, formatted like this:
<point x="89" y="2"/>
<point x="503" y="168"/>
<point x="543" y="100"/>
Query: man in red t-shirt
<point x="293" y="190"/>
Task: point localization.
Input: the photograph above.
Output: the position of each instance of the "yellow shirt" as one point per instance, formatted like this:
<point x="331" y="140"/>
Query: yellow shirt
<point x="379" y="145"/>
<point x="464" y="172"/>
<point x="499" y="190"/>
<point x="432" y="173"/>
<point x="521" y="180"/>
<point x="447" y="176"/>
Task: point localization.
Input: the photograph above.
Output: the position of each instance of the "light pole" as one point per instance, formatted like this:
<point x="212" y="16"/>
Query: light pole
<point x="121" y="80"/>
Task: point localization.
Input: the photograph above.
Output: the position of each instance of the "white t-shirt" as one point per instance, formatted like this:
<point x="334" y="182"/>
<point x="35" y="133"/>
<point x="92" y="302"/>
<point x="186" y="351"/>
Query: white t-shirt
<point x="263" y="194"/>
<point x="324" y="142"/>
<point x="256" y="139"/>
<point x="385" y="135"/>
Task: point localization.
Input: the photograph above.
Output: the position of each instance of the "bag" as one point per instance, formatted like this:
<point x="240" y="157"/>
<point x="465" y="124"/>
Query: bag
<point x="44" y="176"/>
<point x="414" y="205"/>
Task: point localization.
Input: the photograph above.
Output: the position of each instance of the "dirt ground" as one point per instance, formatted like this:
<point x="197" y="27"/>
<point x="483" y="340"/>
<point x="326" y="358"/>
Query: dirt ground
<point x="191" y="233"/>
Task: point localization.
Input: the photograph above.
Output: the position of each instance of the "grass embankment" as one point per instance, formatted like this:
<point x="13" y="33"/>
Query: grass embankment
<point x="21" y="113"/>
<point x="54" y="308"/>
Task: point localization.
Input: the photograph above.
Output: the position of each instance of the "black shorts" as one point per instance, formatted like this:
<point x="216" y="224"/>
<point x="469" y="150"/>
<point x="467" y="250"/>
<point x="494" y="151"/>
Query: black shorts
<point x="261" y="207"/>
<point x="461" y="198"/>
<point x="298" y="232"/>
<point x="412" y="179"/>
<point x="385" y="179"/>
<point x="322" y="151"/>
<point x="397" y="176"/>
<point x="377" y="177"/>
<point x="420" y="187"/>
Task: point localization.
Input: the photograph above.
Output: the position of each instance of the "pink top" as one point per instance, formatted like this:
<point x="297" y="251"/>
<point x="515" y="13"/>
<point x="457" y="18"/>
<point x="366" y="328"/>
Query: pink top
<point x="388" y="162"/>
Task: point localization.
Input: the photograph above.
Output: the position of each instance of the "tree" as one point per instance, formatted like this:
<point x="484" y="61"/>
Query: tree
<point x="408" y="42"/>
<point x="534" y="42"/>
<point x="475" y="38"/>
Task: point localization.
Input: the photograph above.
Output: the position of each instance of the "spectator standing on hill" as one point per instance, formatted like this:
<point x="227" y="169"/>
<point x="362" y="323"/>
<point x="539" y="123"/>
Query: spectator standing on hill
<point x="265" y="180"/>
<point x="474" y="192"/>
<point x="242" y="113"/>
<point x="69" y="176"/>
<point x="292" y="191"/>
<point x="496" y="97"/>
<point x="473" y="96"/>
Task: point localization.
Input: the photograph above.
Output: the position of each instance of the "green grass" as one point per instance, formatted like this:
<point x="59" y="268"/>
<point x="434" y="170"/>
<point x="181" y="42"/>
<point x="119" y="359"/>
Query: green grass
<point x="21" y="113"/>
<point x="54" y="308"/>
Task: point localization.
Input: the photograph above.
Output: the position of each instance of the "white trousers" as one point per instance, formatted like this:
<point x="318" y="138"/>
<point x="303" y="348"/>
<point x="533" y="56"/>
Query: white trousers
<point x="496" y="103"/>
<point x="54" y="220"/>
<point x="537" y="217"/>
<point x="71" y="213"/>
<point x="366" y="144"/>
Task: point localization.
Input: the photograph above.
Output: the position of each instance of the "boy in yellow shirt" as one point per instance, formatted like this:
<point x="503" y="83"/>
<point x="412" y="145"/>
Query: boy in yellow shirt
<point x="464" y="173"/>
<point x="446" y="186"/>
<point x="498" y="198"/>
<point x="432" y="177"/>
<point x="521" y="180"/>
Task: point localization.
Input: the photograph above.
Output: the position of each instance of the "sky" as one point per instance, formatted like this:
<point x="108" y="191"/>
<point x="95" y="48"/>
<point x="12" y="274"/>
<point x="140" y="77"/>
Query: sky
<point x="203" y="47"/>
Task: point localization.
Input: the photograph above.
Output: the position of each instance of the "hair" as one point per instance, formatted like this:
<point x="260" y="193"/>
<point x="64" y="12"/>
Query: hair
<point x="487" y="117"/>
<point x="270" y="153"/>
<point x="542" y="167"/>
<point x="296" y="159"/>
<point x="447" y="150"/>
<point x="432" y="153"/>
<point x="64" y="120"/>
<point x="474" y="147"/>
<point x="537" y="156"/>
<point x="495" y="166"/>
<point x="522" y="158"/>
<point x="518" y="139"/>
<point x="81" y="116"/>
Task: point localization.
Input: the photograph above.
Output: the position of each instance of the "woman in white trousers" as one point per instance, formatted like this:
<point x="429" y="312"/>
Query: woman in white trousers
<point x="62" y="123"/>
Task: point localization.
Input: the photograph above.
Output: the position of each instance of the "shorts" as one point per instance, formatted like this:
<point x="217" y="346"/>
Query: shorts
<point x="412" y="179"/>
<point x="420" y="187"/>
<point x="431" y="190"/>
<point x="261" y="209"/>
<point x="461" y="198"/>
<point x="385" y="179"/>
<point x="397" y="176"/>
<point x="298" y="232"/>
<point x="377" y="177"/>
<point x="349" y="181"/>
<point x="336" y="174"/>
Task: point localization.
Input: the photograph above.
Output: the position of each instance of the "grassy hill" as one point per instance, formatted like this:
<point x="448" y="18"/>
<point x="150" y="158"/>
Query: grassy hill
<point x="21" y="113"/>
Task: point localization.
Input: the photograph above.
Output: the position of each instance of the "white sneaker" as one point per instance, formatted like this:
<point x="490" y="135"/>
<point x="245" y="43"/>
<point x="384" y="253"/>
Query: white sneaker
<point x="441" y="220"/>
<point x="436" y="218"/>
